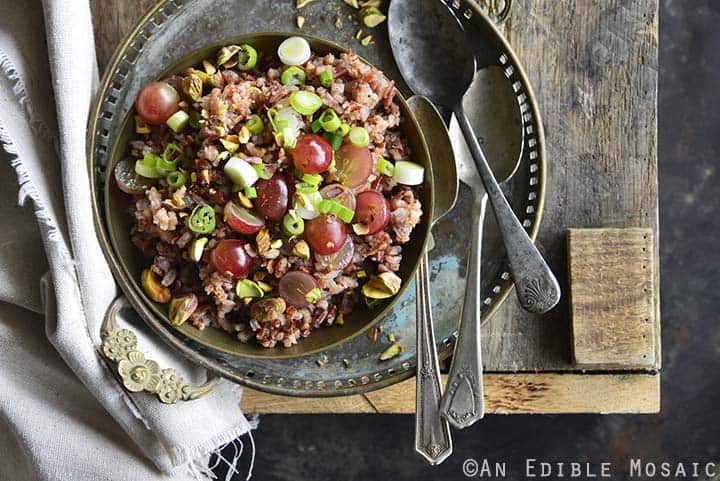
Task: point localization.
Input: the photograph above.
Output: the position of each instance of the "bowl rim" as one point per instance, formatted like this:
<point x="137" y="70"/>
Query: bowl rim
<point x="148" y="310"/>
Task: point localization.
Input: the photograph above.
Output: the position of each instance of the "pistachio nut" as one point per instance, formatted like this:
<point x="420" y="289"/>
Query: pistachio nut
<point x="372" y="17"/>
<point x="268" y="309"/>
<point x="391" y="352"/>
<point x="192" y="86"/>
<point x="153" y="288"/>
<point x="301" y="249"/>
<point x="226" y="53"/>
<point x="181" y="308"/>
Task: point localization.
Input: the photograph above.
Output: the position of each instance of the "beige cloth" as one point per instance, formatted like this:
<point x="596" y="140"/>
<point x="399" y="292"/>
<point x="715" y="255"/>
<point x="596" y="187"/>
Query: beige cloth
<point x="63" y="415"/>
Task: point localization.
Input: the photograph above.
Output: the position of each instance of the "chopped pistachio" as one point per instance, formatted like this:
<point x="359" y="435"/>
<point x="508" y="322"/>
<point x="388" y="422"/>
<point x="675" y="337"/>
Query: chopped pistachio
<point x="390" y="281"/>
<point x="367" y="40"/>
<point x="244" y="135"/>
<point x="358" y="34"/>
<point x="153" y="288"/>
<point x="244" y="201"/>
<point x="246" y="288"/>
<point x="300" y="21"/>
<point x="223" y="155"/>
<point x="313" y="295"/>
<point x="302" y="3"/>
<point x="276" y="244"/>
<point x="209" y="68"/>
<point x="340" y="319"/>
<point x="372" y="17"/>
<point x="141" y="127"/>
<point x="220" y="130"/>
<point x="391" y="352"/>
<point x="320" y="362"/>
<point x="205" y="176"/>
<point x="370" y="3"/>
<point x="197" y="248"/>
<point x="203" y="76"/>
<point x="265" y="286"/>
<point x="361" y="228"/>
<point x="259" y="275"/>
<point x="370" y="291"/>
<point x="268" y="309"/>
<point x="192" y="86"/>
<point x="352" y="3"/>
<point x="193" y="177"/>
<point x="229" y="145"/>
<point x="226" y="53"/>
<point x="301" y="249"/>
<point x="361" y="274"/>
<point x="181" y="308"/>
<point x="391" y="337"/>
<point x="338" y="23"/>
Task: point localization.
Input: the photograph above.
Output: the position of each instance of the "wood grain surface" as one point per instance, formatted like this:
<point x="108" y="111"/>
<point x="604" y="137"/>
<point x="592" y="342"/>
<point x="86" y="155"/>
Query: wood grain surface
<point x="504" y="394"/>
<point x="612" y="297"/>
<point x="593" y="67"/>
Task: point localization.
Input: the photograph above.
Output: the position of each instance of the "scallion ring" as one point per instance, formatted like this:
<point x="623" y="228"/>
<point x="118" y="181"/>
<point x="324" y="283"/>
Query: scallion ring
<point x="329" y="206"/>
<point x="334" y="140"/>
<point x="359" y="137"/>
<point x="305" y="188"/>
<point x="147" y="166"/>
<point x="293" y="76"/>
<point x="255" y="124"/>
<point x="247" y="57"/>
<point x="343" y="130"/>
<point x="326" y="78"/>
<point x="385" y="167"/>
<point x="176" y="179"/>
<point x="305" y="103"/>
<point x="293" y="225"/>
<point x="330" y="121"/>
<point x="202" y="220"/>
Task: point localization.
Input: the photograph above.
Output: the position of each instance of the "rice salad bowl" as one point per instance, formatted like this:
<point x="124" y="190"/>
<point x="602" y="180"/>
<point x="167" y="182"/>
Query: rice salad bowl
<point x="271" y="190"/>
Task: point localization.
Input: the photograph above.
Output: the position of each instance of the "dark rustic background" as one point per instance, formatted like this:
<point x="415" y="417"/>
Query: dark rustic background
<point x="356" y="447"/>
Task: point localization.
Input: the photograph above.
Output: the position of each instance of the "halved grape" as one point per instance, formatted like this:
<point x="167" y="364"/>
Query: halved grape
<point x="372" y="210"/>
<point x="272" y="197"/>
<point x="295" y="286"/>
<point x="230" y="257"/>
<point x="156" y="102"/>
<point x="339" y="193"/>
<point x="353" y="165"/>
<point x="339" y="260"/>
<point x="326" y="234"/>
<point x="312" y="154"/>
<point x="126" y="178"/>
<point x="242" y="220"/>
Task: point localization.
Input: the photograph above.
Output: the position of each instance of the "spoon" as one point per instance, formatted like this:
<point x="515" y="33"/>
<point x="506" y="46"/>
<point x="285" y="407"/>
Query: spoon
<point x="432" y="432"/>
<point x="443" y="74"/>
<point x="498" y="113"/>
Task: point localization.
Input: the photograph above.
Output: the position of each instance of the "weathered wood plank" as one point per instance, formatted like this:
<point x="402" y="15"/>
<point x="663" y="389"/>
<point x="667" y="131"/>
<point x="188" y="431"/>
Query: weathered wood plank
<point x="593" y="67"/>
<point x="521" y="393"/>
<point x="612" y="297"/>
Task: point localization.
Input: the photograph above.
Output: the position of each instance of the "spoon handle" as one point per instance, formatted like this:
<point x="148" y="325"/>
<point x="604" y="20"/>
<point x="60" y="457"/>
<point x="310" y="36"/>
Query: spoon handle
<point x="432" y="432"/>
<point x="463" y="403"/>
<point x="536" y="286"/>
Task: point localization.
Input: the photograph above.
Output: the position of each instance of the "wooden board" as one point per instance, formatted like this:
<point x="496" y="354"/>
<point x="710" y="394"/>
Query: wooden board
<point x="504" y="394"/>
<point x="593" y="67"/>
<point x="612" y="296"/>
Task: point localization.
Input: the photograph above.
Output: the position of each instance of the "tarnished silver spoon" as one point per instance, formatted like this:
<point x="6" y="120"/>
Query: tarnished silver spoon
<point x="432" y="433"/>
<point x="434" y="57"/>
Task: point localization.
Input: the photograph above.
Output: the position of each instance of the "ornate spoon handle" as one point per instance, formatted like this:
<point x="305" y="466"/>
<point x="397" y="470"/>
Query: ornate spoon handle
<point x="536" y="286"/>
<point x="432" y="432"/>
<point x="463" y="404"/>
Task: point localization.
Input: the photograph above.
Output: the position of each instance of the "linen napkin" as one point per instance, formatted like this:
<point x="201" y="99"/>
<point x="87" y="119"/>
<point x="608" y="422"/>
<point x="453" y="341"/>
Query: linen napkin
<point x="47" y="47"/>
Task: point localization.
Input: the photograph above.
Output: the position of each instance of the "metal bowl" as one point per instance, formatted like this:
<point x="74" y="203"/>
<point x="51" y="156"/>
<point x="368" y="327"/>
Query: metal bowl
<point x="127" y="262"/>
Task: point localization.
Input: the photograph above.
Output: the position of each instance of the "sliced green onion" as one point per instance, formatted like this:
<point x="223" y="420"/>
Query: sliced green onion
<point x="276" y="124"/>
<point x="305" y="188"/>
<point x="293" y="76"/>
<point x="316" y="126"/>
<point x="176" y="179"/>
<point x="241" y="172"/>
<point x="330" y="121"/>
<point x="195" y="120"/>
<point x="305" y="103"/>
<point x="148" y="166"/>
<point x="247" y="288"/>
<point x="290" y="136"/>
<point x="202" y="219"/>
<point x="250" y="192"/>
<point x="409" y="173"/>
<point x="197" y="248"/>
<point x="359" y="137"/>
<point x="305" y="205"/>
<point x="255" y="124"/>
<point x="326" y="78"/>
<point x="294" y="51"/>
<point x="312" y="179"/>
<point x="178" y="121"/>
<point x="329" y="206"/>
<point x="343" y="130"/>
<point x="292" y="224"/>
<point x="262" y="172"/>
<point x="334" y="140"/>
<point x="385" y="167"/>
<point x="247" y="57"/>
